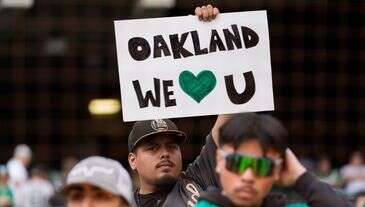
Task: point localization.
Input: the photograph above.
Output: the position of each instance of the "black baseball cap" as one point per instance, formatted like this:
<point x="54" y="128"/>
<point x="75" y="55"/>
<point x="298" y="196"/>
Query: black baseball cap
<point x="143" y="129"/>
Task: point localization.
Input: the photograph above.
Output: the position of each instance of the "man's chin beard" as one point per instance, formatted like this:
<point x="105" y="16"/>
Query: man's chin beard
<point x="165" y="182"/>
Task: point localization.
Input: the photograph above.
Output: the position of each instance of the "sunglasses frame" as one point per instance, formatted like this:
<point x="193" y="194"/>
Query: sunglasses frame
<point x="272" y="161"/>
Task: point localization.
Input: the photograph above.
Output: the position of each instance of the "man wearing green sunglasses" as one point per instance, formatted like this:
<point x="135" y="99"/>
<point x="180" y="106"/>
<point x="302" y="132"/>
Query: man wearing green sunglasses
<point x="253" y="156"/>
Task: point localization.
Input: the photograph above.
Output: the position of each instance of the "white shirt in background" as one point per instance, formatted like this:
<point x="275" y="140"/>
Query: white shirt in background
<point x="36" y="193"/>
<point x="18" y="176"/>
<point x="17" y="172"/>
<point x="355" y="185"/>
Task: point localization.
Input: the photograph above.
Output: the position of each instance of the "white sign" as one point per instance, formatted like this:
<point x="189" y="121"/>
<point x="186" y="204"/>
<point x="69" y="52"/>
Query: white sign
<point x="180" y="66"/>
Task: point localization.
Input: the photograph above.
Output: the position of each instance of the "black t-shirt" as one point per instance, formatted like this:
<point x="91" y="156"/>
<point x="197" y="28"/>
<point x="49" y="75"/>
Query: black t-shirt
<point x="199" y="175"/>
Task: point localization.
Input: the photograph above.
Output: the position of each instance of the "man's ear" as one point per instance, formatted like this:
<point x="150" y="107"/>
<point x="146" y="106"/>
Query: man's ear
<point x="132" y="160"/>
<point x="277" y="172"/>
<point x="219" y="164"/>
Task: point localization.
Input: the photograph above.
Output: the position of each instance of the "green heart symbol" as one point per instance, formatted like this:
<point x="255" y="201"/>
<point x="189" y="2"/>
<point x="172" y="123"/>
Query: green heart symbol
<point x="197" y="87"/>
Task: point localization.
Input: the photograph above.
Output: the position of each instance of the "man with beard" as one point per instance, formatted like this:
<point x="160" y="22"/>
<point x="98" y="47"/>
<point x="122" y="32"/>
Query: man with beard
<point x="155" y="155"/>
<point x="252" y="157"/>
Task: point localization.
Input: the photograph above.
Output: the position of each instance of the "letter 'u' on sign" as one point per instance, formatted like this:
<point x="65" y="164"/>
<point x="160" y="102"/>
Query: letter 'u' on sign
<point x="182" y="67"/>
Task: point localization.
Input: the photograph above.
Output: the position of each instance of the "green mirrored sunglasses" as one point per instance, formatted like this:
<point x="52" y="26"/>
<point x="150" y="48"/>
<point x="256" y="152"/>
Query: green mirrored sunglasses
<point x="239" y="163"/>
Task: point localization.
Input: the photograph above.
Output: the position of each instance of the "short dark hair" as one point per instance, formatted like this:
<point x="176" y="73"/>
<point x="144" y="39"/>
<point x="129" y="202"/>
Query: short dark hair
<point x="39" y="170"/>
<point x="266" y="129"/>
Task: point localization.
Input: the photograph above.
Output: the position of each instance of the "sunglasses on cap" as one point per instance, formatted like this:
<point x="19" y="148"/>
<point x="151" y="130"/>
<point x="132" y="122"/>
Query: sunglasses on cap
<point x="238" y="163"/>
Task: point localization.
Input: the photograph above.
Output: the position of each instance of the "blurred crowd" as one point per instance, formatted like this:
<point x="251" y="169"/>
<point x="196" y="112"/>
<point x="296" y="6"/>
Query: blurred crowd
<point x="21" y="187"/>
<point x="40" y="187"/>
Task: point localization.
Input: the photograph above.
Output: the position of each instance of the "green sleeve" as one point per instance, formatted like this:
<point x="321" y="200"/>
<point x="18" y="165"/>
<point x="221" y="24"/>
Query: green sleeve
<point x="10" y="196"/>
<point x="204" y="203"/>
<point x="297" y="205"/>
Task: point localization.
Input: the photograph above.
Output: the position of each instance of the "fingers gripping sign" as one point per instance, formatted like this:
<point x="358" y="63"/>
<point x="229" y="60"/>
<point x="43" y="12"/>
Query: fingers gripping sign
<point x="206" y="13"/>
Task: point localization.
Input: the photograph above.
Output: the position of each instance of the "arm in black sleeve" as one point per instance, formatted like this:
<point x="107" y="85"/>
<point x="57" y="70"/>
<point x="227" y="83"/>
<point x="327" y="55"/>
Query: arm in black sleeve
<point x="319" y="194"/>
<point x="202" y="170"/>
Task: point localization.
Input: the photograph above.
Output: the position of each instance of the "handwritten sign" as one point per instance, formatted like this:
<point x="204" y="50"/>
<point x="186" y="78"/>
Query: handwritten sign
<point x="180" y="66"/>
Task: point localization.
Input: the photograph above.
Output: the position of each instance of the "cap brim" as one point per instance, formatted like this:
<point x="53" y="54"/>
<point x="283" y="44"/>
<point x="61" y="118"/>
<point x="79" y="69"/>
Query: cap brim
<point x="65" y="189"/>
<point x="179" y="135"/>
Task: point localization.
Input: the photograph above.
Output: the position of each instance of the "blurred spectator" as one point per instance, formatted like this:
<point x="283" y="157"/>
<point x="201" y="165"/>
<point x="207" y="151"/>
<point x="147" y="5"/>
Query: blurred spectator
<point x="18" y="164"/>
<point x="67" y="164"/>
<point x="58" y="177"/>
<point x="97" y="181"/>
<point x="17" y="168"/>
<point x="360" y="199"/>
<point x="6" y="196"/>
<point x="38" y="190"/>
<point x="354" y="174"/>
<point x="308" y="163"/>
<point x="59" y="180"/>
<point x="325" y="172"/>
<point x="57" y="200"/>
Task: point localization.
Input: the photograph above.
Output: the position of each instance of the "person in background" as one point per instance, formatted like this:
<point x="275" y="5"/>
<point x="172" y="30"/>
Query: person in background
<point x="67" y="164"/>
<point x="58" y="179"/>
<point x="38" y="190"/>
<point x="325" y="173"/>
<point x="354" y="174"/>
<point x="98" y="182"/>
<point x="17" y="169"/>
<point x="6" y="196"/>
<point x="253" y="156"/>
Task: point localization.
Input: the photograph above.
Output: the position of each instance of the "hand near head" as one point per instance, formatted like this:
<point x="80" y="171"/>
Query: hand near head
<point x="222" y="119"/>
<point x="292" y="170"/>
<point x="206" y="13"/>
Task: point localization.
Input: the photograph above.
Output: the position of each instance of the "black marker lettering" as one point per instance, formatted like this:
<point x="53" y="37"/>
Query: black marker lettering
<point x="246" y="95"/>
